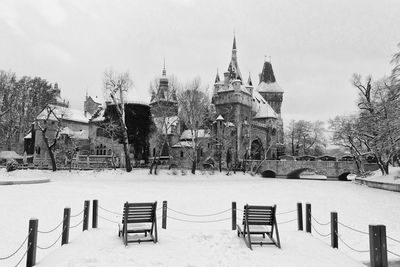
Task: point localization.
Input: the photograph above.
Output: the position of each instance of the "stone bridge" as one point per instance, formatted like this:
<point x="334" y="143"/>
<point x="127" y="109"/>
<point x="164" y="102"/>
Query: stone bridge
<point x="293" y="169"/>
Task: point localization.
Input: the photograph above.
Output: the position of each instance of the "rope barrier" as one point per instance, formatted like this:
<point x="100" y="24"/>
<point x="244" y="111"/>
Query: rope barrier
<point x="76" y="225"/>
<point x="391" y="252"/>
<point x="55" y="242"/>
<point x="351" y="228"/>
<point x="18" y="249"/>
<point x="285" y="212"/>
<point x="182" y="220"/>
<point x="323" y="235"/>
<point x="199" y="215"/>
<point x="107" y="219"/>
<point x="391" y="238"/>
<point x="76" y="215"/>
<point x="356" y="250"/>
<point x="319" y="222"/>
<point x="55" y="228"/>
<point x="288" y="221"/>
<point x="110" y="211"/>
<point x="23" y="256"/>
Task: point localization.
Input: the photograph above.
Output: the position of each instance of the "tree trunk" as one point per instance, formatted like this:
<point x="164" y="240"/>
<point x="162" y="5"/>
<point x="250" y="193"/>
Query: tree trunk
<point x="194" y="166"/>
<point x="126" y="152"/>
<point x="49" y="149"/>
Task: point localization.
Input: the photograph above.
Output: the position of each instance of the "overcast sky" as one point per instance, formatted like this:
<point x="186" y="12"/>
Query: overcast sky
<point x="315" y="45"/>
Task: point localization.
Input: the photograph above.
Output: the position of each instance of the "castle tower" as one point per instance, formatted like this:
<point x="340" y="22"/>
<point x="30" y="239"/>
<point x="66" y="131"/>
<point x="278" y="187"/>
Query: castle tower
<point x="269" y="88"/>
<point x="164" y="98"/>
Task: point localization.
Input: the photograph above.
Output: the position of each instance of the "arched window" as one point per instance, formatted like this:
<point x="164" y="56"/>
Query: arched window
<point x="101" y="150"/>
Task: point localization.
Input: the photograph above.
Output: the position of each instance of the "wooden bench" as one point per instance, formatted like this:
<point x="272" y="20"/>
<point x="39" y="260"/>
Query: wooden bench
<point x="259" y="220"/>
<point x="139" y="218"/>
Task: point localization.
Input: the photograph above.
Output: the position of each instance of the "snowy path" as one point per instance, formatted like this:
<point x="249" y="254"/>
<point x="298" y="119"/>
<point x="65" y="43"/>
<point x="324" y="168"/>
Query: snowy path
<point x="357" y="206"/>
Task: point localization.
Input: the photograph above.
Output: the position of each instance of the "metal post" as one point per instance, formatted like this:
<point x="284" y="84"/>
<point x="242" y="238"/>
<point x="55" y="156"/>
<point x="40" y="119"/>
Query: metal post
<point x="94" y="213"/>
<point x="65" y="227"/>
<point x="32" y="242"/>
<point x="233" y="215"/>
<point x="300" y="216"/>
<point x="334" y="230"/>
<point x="86" y="215"/>
<point x="308" y="217"/>
<point x="377" y="246"/>
<point x="164" y="215"/>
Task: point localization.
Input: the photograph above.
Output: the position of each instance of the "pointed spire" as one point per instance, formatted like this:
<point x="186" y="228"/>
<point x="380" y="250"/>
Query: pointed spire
<point x="164" y="72"/>
<point x="217" y="79"/>
<point x="249" y="82"/>
<point x="234" y="42"/>
<point x="267" y="74"/>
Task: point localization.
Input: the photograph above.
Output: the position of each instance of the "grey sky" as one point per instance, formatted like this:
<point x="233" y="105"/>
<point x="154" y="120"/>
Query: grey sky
<point x="315" y="45"/>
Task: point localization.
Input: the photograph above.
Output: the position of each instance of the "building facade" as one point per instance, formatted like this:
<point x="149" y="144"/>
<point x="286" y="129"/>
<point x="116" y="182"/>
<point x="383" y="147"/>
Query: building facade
<point x="254" y="113"/>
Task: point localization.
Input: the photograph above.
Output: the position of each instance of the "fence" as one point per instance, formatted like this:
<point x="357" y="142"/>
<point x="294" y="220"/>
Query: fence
<point x="31" y="240"/>
<point x="377" y="233"/>
<point x="378" y="248"/>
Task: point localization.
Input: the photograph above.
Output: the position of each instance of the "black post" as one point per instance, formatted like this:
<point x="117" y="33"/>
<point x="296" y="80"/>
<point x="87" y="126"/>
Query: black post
<point x="308" y="217"/>
<point x="32" y="242"/>
<point x="164" y="215"/>
<point x="334" y="230"/>
<point x="86" y="215"/>
<point x="300" y="216"/>
<point x="377" y="246"/>
<point x="65" y="227"/>
<point x="233" y="215"/>
<point x="94" y="213"/>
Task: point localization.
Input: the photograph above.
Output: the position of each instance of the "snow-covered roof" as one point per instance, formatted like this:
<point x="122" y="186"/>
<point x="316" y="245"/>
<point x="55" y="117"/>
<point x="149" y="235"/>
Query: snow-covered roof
<point x="58" y="112"/>
<point x="182" y="144"/>
<point x="28" y="136"/>
<point x="261" y="107"/>
<point x="220" y="118"/>
<point x="82" y="134"/>
<point x="269" y="87"/>
<point x="187" y="134"/>
<point x="9" y="155"/>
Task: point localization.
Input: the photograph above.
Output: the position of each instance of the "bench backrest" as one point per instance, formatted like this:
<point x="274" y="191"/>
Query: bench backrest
<point x="139" y="212"/>
<point x="259" y="215"/>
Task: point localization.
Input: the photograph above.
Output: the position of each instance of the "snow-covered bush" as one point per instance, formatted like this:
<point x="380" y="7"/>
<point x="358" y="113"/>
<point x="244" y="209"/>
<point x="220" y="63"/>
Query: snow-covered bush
<point x="174" y="171"/>
<point x="183" y="172"/>
<point x="11" y="165"/>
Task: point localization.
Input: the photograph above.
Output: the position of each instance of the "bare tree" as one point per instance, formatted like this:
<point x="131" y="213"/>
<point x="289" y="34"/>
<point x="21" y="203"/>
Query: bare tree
<point x="111" y="129"/>
<point x="305" y="137"/>
<point x="50" y="131"/>
<point x="193" y="111"/>
<point x="345" y="134"/>
<point x="164" y="107"/>
<point x="116" y="85"/>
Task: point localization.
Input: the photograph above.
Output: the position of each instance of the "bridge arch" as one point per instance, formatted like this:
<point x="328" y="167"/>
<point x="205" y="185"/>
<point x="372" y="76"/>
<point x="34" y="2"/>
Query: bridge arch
<point x="344" y="175"/>
<point x="268" y="174"/>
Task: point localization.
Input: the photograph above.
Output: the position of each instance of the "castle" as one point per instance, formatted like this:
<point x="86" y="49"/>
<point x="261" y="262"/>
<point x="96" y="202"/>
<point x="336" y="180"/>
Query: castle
<point x="247" y="123"/>
<point x="255" y="111"/>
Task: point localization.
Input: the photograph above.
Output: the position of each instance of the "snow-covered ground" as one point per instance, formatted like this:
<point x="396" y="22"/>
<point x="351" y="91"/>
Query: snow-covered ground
<point x="184" y="243"/>
<point x="392" y="178"/>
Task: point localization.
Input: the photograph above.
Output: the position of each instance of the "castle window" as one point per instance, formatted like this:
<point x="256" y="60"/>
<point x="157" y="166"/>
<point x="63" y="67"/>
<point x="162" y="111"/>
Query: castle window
<point x="181" y="154"/>
<point x="37" y="150"/>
